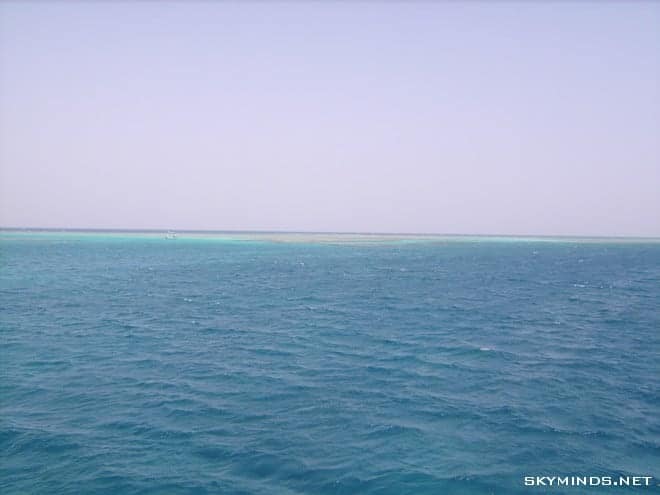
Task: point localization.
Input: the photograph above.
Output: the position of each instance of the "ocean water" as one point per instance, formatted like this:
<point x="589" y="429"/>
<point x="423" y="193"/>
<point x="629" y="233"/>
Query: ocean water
<point x="133" y="364"/>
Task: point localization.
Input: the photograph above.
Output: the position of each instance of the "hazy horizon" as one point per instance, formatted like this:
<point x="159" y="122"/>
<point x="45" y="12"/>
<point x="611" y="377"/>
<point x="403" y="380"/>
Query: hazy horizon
<point x="506" y="118"/>
<point x="285" y="233"/>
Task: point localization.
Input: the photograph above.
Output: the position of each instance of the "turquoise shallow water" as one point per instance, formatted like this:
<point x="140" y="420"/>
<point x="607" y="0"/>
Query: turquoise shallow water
<point x="135" y="364"/>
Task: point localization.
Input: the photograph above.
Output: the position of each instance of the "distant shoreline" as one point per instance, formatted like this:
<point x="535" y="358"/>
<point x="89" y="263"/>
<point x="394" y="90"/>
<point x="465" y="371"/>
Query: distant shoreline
<point x="326" y="237"/>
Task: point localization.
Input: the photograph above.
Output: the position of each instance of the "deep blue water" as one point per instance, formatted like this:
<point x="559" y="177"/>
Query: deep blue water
<point x="137" y="365"/>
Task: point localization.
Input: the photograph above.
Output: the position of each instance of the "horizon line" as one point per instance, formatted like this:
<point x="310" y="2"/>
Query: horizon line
<point x="320" y="232"/>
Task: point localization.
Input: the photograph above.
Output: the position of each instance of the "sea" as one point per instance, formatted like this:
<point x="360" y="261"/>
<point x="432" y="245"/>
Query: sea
<point x="234" y="363"/>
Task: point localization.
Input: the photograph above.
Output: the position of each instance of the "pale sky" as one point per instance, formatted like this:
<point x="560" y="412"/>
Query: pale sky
<point x="439" y="117"/>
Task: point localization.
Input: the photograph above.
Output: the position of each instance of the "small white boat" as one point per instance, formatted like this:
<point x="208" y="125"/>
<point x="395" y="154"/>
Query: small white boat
<point x="170" y="235"/>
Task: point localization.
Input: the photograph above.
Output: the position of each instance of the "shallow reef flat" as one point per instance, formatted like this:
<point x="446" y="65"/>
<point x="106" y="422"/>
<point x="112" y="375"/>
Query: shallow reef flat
<point x="297" y="237"/>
